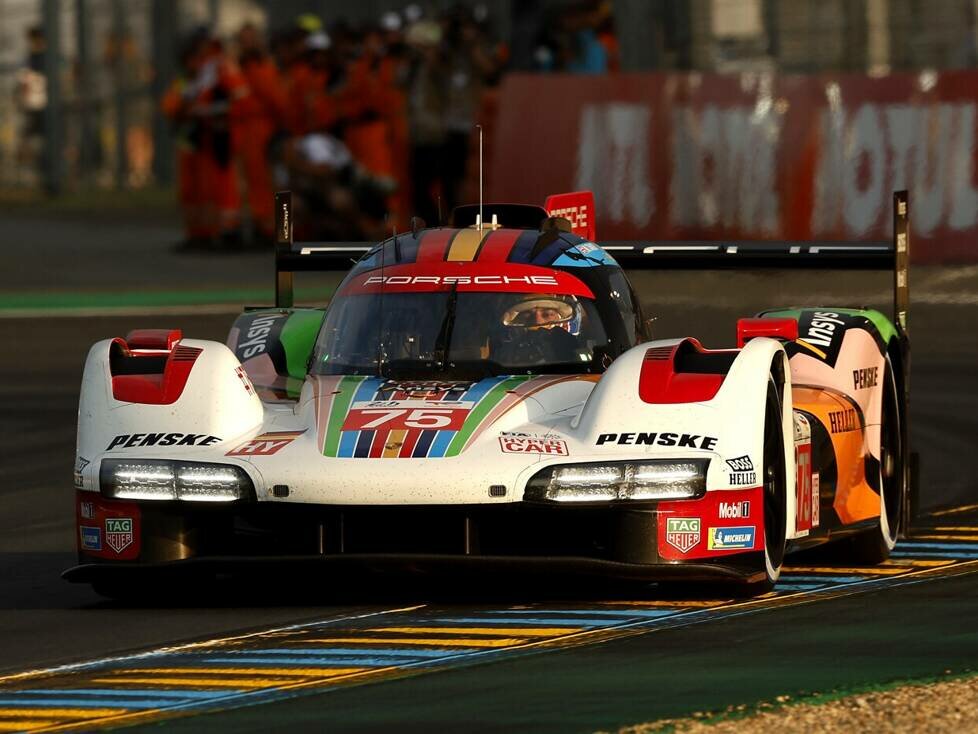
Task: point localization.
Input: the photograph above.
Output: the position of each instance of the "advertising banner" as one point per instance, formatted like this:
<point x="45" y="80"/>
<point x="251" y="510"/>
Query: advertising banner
<point x="750" y="156"/>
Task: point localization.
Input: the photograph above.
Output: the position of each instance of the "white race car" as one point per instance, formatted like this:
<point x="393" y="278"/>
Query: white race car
<point x="488" y="396"/>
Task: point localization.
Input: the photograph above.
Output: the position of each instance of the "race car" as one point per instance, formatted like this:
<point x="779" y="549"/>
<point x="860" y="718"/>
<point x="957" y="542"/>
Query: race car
<point x="487" y="395"/>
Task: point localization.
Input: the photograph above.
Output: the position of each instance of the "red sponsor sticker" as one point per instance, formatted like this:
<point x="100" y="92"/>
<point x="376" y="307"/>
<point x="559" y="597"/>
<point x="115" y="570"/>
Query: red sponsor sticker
<point x="266" y="444"/>
<point x="533" y="445"/>
<point x="803" y="488"/>
<point x="578" y="208"/>
<point x="108" y="528"/>
<point x="404" y="418"/>
<point x="685" y="526"/>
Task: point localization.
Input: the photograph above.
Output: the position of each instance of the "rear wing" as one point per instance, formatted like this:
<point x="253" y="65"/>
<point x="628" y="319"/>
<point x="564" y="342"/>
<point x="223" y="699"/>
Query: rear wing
<point x="292" y="257"/>
<point x="890" y="256"/>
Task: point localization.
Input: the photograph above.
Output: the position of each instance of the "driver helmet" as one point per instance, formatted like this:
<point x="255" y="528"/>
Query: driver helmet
<point x="535" y="311"/>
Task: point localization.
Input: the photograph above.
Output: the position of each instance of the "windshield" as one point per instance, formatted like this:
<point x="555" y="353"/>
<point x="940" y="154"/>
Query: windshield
<point x="453" y="333"/>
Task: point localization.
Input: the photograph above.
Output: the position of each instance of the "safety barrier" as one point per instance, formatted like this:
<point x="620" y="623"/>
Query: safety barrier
<point x="750" y="156"/>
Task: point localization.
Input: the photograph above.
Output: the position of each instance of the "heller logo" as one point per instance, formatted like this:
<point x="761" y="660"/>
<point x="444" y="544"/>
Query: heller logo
<point x="683" y="533"/>
<point x="842" y="421"/>
<point x="118" y="533"/>
<point x="734" y="510"/>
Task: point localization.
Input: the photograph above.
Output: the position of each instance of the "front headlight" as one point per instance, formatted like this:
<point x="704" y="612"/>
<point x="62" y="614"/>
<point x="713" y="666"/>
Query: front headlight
<point x="655" y="479"/>
<point x="150" y="479"/>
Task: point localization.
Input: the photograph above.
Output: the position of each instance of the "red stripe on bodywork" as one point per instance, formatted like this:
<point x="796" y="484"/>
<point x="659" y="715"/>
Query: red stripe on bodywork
<point x="498" y="245"/>
<point x="434" y="245"/>
<point x="476" y="277"/>
<point x="380" y="440"/>
<point x="659" y="382"/>
<point x="410" y="441"/>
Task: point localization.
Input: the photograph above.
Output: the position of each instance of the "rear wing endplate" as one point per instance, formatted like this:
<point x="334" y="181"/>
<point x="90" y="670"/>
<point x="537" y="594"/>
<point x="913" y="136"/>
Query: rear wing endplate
<point x="295" y="257"/>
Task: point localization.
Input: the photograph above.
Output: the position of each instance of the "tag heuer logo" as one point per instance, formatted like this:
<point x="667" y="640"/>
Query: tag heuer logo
<point x="118" y="533"/>
<point x="683" y="533"/>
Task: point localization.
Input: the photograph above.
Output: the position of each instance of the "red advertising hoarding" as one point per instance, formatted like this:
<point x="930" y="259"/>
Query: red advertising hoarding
<point x="754" y="156"/>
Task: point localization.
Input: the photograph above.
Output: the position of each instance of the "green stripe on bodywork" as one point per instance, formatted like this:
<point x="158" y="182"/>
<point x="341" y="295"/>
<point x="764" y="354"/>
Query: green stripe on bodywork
<point x="479" y="413"/>
<point x="337" y="414"/>
<point x="298" y="337"/>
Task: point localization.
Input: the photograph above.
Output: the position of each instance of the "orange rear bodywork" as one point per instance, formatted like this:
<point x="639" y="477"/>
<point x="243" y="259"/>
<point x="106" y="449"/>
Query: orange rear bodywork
<point x="854" y="499"/>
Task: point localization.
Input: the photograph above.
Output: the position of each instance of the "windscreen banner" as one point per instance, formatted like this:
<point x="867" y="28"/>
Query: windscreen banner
<point x="750" y="156"/>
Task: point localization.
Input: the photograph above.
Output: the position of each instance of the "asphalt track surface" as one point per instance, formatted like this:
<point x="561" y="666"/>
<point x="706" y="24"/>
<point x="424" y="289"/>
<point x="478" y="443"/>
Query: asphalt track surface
<point x="577" y="660"/>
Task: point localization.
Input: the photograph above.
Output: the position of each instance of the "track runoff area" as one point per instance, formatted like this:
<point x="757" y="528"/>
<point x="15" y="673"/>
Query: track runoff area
<point x="287" y="662"/>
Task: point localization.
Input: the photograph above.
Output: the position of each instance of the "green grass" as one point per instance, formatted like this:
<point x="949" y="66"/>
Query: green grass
<point x="814" y="698"/>
<point x="93" y="202"/>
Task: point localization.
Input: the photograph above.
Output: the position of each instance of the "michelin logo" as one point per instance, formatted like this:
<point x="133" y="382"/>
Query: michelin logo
<point x="737" y="538"/>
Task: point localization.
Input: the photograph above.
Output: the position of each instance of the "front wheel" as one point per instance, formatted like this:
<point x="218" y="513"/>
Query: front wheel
<point x="775" y="492"/>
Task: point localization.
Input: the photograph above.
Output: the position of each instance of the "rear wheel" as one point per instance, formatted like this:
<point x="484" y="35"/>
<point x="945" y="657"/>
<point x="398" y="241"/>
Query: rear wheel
<point x="774" y="476"/>
<point x="874" y="546"/>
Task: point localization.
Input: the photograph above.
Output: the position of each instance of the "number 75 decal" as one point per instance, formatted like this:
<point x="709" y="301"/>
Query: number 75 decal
<point x="394" y="419"/>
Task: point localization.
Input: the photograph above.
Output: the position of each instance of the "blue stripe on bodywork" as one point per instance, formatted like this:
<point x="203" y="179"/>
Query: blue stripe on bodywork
<point x="524" y="245"/>
<point x="349" y="439"/>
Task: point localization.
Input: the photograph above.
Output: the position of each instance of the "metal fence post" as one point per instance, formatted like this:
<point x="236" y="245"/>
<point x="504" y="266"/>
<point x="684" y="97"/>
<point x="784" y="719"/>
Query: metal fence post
<point x="86" y="96"/>
<point x="53" y="160"/>
<point x="164" y="20"/>
<point x="121" y="92"/>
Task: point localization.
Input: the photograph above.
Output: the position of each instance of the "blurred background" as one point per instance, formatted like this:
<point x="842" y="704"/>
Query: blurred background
<point x="706" y="118"/>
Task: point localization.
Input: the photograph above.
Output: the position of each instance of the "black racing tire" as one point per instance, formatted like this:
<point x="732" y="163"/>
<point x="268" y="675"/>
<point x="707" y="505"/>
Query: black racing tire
<point x="872" y="547"/>
<point x="775" y="479"/>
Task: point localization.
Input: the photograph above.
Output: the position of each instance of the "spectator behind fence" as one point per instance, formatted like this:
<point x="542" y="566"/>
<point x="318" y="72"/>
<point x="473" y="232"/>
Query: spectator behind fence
<point x="201" y="104"/>
<point x="367" y="125"/>
<point x="31" y="97"/>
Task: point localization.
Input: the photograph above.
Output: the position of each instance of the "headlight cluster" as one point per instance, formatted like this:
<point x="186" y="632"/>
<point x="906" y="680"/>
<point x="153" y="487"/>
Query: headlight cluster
<point x="149" y="479"/>
<point x="658" y="479"/>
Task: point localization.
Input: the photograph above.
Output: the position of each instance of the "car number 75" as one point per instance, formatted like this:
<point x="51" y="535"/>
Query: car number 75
<point x="393" y="419"/>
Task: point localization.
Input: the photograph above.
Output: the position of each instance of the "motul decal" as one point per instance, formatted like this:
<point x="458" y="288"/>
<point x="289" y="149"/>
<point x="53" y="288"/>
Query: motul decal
<point x="266" y="444"/>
